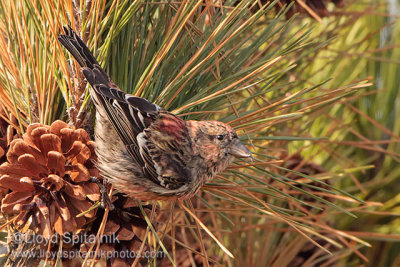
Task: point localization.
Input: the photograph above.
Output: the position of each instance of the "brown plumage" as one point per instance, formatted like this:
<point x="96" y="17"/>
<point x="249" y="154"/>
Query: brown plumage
<point x="145" y="151"/>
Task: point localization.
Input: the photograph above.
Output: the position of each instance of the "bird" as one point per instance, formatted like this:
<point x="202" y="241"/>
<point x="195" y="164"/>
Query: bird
<point x="142" y="149"/>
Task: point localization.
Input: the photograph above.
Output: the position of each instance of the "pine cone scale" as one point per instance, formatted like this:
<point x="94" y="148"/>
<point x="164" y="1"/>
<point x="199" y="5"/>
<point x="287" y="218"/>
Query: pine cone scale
<point x="15" y="183"/>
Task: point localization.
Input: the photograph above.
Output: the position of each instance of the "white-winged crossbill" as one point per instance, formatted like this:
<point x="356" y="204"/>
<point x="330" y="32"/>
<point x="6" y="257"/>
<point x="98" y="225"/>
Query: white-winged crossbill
<point x="147" y="152"/>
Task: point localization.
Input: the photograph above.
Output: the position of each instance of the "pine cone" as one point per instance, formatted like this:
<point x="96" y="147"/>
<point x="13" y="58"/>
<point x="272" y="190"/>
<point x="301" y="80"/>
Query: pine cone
<point x="47" y="174"/>
<point x="124" y="232"/>
<point x="183" y="257"/>
<point x="22" y="253"/>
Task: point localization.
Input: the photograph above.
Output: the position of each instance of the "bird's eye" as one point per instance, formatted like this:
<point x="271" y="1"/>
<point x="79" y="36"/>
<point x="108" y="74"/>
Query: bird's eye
<point x="220" y="137"/>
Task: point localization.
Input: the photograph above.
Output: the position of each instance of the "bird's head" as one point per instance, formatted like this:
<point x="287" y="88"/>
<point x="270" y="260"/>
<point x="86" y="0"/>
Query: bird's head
<point x="217" y="142"/>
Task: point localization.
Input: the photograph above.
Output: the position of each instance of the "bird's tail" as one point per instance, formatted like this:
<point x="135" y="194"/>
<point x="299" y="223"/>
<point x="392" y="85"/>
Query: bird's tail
<point x="74" y="44"/>
<point x="91" y="69"/>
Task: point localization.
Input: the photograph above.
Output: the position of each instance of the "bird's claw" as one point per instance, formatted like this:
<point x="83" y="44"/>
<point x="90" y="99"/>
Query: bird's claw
<point x="105" y="199"/>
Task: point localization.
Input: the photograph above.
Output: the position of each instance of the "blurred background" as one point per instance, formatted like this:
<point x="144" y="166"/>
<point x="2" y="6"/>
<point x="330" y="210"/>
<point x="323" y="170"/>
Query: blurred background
<point x="311" y="86"/>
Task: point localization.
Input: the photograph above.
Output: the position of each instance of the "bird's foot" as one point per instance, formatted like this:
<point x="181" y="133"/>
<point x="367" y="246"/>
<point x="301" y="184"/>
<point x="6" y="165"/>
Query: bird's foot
<point x="105" y="199"/>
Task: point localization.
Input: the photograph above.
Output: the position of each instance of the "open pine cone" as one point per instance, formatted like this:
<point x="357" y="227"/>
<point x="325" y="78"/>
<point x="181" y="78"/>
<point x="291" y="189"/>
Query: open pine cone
<point x="47" y="175"/>
<point x="126" y="223"/>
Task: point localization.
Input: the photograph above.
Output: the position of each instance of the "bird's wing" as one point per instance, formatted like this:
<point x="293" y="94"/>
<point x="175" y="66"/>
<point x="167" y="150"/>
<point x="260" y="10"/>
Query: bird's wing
<point x="168" y="143"/>
<point x="132" y="117"/>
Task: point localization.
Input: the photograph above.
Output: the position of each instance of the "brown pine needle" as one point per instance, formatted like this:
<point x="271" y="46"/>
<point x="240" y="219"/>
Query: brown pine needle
<point x="309" y="10"/>
<point x="182" y="205"/>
